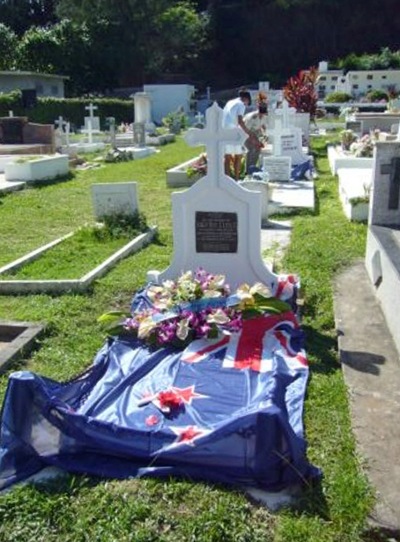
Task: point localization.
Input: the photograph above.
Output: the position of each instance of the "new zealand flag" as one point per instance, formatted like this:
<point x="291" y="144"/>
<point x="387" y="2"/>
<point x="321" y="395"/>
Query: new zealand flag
<point x="226" y="410"/>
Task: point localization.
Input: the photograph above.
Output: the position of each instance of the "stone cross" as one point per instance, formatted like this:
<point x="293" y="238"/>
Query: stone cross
<point x="11" y="113"/>
<point x="285" y="115"/>
<point x="199" y="118"/>
<point x="277" y="133"/>
<point x="91" y="109"/>
<point x="60" y="123"/>
<point x="215" y="137"/>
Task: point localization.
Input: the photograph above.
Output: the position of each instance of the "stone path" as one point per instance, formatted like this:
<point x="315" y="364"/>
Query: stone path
<point x="371" y="368"/>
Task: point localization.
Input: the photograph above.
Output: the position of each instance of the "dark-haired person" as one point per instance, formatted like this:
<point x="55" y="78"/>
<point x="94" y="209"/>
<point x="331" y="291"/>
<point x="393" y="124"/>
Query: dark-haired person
<point x="233" y="114"/>
<point x="256" y="123"/>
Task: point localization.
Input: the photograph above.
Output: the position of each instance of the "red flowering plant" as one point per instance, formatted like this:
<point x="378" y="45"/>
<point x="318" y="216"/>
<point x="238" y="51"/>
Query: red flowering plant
<point x="196" y="305"/>
<point x="300" y="93"/>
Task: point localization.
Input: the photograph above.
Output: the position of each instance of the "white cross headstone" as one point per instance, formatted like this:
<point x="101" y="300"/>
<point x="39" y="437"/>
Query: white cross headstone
<point x="216" y="223"/>
<point x="199" y="118"/>
<point x="58" y="134"/>
<point x="285" y="115"/>
<point x="215" y="137"/>
<point x="277" y="133"/>
<point x="91" y="109"/>
<point x="11" y="113"/>
<point x="60" y="123"/>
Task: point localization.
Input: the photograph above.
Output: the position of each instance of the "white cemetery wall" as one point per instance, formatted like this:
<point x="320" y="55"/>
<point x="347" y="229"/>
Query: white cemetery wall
<point x="168" y="98"/>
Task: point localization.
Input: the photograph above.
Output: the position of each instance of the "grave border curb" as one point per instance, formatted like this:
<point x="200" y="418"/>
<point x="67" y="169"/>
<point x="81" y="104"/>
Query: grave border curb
<point x="12" y="287"/>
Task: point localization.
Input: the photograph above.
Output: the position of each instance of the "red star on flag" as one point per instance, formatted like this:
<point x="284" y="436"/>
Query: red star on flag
<point x="188" y="434"/>
<point x="188" y="394"/>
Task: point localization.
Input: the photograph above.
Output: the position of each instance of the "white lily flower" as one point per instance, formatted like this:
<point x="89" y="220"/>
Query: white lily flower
<point x="261" y="289"/>
<point x="243" y="292"/>
<point x="218" y="317"/>
<point x="217" y="281"/>
<point x="182" y="329"/>
<point x="145" y="327"/>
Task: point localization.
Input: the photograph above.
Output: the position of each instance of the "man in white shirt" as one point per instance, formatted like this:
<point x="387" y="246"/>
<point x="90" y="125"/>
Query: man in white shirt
<point x="232" y="117"/>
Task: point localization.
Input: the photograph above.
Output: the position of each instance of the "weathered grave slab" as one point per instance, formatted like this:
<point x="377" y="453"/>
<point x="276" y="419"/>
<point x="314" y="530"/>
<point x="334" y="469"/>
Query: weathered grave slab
<point x="114" y="198"/>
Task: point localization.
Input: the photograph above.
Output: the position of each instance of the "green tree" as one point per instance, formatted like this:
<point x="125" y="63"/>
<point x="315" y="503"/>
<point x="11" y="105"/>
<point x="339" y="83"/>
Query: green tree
<point x="8" y="44"/>
<point x="139" y="38"/>
<point x="181" y="39"/>
<point x="20" y="15"/>
<point x="39" y="50"/>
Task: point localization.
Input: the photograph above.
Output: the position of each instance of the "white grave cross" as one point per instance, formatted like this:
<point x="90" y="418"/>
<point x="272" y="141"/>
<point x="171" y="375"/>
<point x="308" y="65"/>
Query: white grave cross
<point x="216" y="222"/>
<point x="91" y="109"/>
<point x="285" y="115"/>
<point x="277" y="134"/>
<point x="199" y="117"/>
<point x="215" y="137"/>
<point x="60" y="123"/>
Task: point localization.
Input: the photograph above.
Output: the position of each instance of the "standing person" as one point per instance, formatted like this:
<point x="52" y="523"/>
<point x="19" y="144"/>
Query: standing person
<point x="256" y="123"/>
<point x="232" y="117"/>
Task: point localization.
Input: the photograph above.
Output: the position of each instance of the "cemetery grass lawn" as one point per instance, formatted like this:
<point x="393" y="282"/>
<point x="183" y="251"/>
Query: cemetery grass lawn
<point x="78" y="508"/>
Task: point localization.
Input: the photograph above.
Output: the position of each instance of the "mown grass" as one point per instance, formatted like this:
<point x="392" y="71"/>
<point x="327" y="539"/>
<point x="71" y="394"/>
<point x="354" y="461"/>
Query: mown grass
<point x="87" y="509"/>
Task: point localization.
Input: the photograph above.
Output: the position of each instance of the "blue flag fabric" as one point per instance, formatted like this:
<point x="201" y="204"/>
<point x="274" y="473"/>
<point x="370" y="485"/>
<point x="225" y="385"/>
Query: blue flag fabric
<point x="234" y="416"/>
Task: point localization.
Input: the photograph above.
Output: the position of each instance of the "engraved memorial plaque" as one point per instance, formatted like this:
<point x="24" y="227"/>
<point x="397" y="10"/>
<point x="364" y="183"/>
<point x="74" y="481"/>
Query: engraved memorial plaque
<point x="216" y="232"/>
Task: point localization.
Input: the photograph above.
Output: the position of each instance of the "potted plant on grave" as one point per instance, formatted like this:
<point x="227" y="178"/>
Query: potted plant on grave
<point x="198" y="168"/>
<point x="347" y="137"/>
<point x="364" y="147"/>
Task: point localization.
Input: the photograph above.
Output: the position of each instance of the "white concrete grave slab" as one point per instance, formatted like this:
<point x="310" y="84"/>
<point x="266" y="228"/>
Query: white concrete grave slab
<point x="42" y="168"/>
<point x="216" y="223"/>
<point x="382" y="259"/>
<point x="354" y="192"/>
<point x="338" y="158"/>
<point x="278" y="168"/>
<point x="114" y="198"/>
